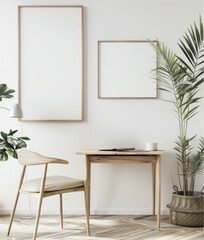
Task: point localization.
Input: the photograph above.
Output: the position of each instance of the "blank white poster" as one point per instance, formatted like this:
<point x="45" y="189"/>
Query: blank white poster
<point x="125" y="69"/>
<point x="50" y="63"/>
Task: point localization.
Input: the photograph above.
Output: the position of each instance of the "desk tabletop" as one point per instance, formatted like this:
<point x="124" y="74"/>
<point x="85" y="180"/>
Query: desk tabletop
<point x="120" y="153"/>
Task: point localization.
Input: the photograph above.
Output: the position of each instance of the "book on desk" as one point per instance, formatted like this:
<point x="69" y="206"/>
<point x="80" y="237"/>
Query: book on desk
<point x="117" y="149"/>
<point x="130" y="149"/>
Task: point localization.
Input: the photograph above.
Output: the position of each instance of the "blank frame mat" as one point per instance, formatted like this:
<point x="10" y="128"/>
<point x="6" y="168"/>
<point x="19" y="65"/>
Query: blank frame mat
<point x="51" y="63"/>
<point x="125" y="70"/>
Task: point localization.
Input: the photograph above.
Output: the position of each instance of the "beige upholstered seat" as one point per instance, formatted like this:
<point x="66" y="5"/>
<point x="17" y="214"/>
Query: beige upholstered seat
<point x="46" y="186"/>
<point x="52" y="183"/>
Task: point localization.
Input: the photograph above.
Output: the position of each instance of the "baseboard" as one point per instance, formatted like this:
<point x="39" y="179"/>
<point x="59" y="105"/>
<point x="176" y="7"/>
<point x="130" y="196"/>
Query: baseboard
<point x="100" y="211"/>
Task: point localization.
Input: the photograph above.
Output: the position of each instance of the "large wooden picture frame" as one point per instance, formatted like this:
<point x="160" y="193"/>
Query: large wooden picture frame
<point x="51" y="62"/>
<point x="125" y="70"/>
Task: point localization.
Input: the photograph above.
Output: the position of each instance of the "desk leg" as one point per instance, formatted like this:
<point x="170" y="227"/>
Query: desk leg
<point x="158" y="182"/>
<point x="153" y="188"/>
<point x="88" y="184"/>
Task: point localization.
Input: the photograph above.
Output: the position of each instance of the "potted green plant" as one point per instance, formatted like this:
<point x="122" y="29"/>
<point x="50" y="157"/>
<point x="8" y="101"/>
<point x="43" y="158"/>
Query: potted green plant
<point x="181" y="77"/>
<point x="9" y="143"/>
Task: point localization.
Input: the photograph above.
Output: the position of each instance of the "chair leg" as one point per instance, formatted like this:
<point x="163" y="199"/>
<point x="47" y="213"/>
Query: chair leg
<point x="16" y="201"/>
<point x="40" y="201"/>
<point x="13" y="213"/>
<point x="37" y="217"/>
<point x="61" y="211"/>
<point x="87" y="212"/>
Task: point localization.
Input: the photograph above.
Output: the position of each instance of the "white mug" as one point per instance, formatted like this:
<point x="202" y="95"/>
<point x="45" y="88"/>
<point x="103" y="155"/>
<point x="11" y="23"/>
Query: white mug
<point x="151" y="146"/>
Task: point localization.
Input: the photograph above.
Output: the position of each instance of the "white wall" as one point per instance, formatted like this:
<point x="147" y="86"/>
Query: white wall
<point x="108" y="123"/>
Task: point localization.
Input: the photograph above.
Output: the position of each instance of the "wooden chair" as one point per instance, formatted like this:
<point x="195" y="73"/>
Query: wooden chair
<point x="46" y="186"/>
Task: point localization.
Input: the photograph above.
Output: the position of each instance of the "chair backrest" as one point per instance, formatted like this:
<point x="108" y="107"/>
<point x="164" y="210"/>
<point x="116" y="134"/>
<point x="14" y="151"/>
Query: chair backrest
<point x="27" y="157"/>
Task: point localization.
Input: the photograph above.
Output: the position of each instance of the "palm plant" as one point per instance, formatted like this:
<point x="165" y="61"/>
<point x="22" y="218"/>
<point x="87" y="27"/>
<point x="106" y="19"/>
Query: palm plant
<point x="9" y="143"/>
<point x="181" y="77"/>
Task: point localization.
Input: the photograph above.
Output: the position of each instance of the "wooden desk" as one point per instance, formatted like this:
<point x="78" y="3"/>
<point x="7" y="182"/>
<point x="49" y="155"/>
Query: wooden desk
<point x="153" y="157"/>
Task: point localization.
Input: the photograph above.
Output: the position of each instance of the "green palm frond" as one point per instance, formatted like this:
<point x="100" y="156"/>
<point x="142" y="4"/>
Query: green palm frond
<point x="196" y="164"/>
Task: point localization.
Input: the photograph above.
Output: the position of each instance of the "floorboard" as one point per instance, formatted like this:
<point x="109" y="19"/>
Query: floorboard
<point x="102" y="228"/>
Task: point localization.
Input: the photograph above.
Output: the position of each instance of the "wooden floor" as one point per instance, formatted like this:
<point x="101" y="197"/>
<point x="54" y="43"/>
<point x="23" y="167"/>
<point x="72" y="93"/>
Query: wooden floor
<point x="102" y="228"/>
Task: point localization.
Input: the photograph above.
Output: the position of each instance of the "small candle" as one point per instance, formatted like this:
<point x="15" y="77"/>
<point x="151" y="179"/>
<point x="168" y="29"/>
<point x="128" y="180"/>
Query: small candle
<point x="151" y="146"/>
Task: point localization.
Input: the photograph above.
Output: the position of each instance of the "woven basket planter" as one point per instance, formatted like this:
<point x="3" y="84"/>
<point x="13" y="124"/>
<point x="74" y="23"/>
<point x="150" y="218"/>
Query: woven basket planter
<point x="187" y="210"/>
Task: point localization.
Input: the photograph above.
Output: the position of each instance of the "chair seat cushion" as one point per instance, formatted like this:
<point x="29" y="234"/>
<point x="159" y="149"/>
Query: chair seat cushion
<point x="53" y="183"/>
